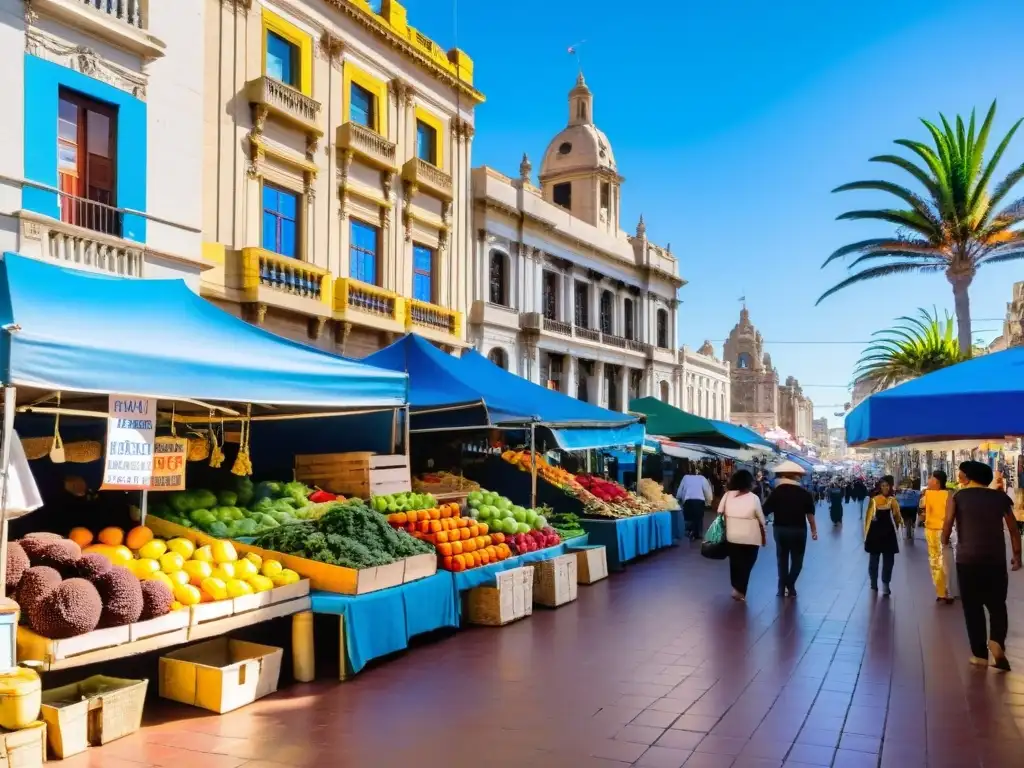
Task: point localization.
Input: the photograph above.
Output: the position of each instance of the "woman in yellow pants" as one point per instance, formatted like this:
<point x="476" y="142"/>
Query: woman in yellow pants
<point x="933" y="500"/>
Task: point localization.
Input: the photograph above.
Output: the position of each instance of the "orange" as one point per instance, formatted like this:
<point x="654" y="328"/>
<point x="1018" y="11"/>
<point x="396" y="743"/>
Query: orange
<point x="111" y="536"/>
<point x="138" y="537"/>
<point x="81" y="536"/>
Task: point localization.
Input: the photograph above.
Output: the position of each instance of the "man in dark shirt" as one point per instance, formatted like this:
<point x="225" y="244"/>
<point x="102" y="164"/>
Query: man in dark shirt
<point x="793" y="508"/>
<point x="980" y="514"/>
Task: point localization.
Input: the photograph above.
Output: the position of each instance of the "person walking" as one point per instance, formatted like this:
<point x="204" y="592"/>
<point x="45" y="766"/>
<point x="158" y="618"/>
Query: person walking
<point x="744" y="530"/>
<point x="1018" y="510"/>
<point x="979" y="514"/>
<point x="880" y="542"/>
<point x="694" y="495"/>
<point x="909" y="499"/>
<point x="933" y="502"/>
<point x="835" y="500"/>
<point x="860" y="494"/>
<point x="792" y="507"/>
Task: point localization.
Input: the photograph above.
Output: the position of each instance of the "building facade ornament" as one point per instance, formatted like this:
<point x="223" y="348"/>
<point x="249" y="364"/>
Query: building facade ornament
<point x="525" y="169"/>
<point x="83" y="59"/>
<point x="330" y="48"/>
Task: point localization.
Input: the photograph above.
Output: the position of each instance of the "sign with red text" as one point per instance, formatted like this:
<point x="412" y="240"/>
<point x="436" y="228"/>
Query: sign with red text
<point x="131" y="433"/>
<point x="169" y="457"/>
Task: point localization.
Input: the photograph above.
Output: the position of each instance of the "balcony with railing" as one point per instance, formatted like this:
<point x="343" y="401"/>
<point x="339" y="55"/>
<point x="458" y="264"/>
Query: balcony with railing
<point x="364" y="304"/>
<point x="612" y="340"/>
<point x="433" y="321"/>
<point x="286" y="103"/>
<point x="122" y="23"/>
<point x="368" y="145"/>
<point x="428" y="178"/>
<point x="638" y="346"/>
<point x="556" y="326"/>
<point x="588" y="333"/>
<point x="268" y="278"/>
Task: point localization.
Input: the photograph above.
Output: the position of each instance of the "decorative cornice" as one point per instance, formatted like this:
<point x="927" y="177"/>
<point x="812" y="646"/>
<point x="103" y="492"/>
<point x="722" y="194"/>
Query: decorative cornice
<point x="330" y="48"/>
<point x="85" y="60"/>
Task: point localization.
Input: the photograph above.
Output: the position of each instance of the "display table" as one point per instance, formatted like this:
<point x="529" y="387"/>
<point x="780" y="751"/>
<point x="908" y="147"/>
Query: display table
<point x="627" y="538"/>
<point x="678" y="525"/>
<point x="379" y="623"/>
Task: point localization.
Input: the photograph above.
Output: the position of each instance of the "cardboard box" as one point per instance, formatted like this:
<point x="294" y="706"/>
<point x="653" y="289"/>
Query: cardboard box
<point x="92" y="712"/>
<point x="419" y="567"/>
<point x="25" y="748"/>
<point x="554" y="581"/>
<point x="591" y="564"/>
<point x="221" y="674"/>
<point x="510" y="599"/>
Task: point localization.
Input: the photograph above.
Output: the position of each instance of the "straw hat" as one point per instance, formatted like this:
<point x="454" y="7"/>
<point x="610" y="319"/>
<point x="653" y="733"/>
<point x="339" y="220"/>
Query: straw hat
<point x="788" y="468"/>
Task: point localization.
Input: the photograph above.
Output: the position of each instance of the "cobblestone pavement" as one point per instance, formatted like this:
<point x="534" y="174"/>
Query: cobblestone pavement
<point x="653" y="667"/>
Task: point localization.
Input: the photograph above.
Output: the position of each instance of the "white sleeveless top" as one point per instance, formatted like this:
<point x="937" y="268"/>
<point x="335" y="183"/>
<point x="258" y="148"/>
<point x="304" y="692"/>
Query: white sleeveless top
<point x="743" y="518"/>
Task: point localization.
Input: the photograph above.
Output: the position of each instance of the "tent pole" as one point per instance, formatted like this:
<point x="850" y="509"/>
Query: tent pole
<point x="533" y="468"/>
<point x="394" y="431"/>
<point x="5" y="470"/>
<point x="408" y="424"/>
<point x="639" y="464"/>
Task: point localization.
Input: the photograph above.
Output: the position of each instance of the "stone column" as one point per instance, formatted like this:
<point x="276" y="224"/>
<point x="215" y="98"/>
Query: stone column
<point x="569" y="299"/>
<point x="570" y="372"/>
<point x="624" y="371"/>
<point x="597" y="392"/>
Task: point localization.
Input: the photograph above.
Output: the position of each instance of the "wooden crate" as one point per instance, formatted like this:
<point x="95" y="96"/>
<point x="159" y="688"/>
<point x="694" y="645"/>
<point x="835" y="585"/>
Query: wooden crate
<point x="355" y="474"/>
<point x="25" y="748"/>
<point x="511" y="598"/>
<point x="92" y="712"/>
<point x="554" y="581"/>
<point x="591" y="564"/>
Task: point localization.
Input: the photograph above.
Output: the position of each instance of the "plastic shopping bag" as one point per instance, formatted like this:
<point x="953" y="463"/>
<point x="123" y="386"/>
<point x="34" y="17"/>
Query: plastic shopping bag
<point x="714" y="545"/>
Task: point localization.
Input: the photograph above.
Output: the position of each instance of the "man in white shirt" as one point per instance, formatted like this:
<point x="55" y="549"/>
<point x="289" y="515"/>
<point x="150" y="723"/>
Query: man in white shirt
<point x="694" y="494"/>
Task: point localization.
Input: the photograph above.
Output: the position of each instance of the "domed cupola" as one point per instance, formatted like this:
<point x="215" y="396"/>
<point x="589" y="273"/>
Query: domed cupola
<point x="578" y="172"/>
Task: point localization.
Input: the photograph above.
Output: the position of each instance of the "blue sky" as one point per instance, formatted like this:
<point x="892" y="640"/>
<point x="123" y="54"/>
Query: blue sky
<point x="732" y="121"/>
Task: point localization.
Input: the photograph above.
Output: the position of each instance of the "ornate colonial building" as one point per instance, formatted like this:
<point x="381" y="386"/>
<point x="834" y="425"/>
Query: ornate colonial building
<point x="101" y="143"/>
<point x="336" y="170"/>
<point x="561" y="295"/>
<point x="757" y="398"/>
<point x="1013" y="324"/>
<point x="706" y="383"/>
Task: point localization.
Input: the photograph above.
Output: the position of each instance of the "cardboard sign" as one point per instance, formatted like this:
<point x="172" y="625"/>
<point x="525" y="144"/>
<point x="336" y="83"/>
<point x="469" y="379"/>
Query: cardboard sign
<point x="170" y="455"/>
<point x="131" y="433"/>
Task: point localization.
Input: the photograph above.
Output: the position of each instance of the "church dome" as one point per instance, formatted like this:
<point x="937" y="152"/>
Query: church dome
<point x="580" y="146"/>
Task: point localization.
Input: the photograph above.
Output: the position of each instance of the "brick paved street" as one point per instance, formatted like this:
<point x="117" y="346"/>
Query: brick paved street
<point x="654" y="667"/>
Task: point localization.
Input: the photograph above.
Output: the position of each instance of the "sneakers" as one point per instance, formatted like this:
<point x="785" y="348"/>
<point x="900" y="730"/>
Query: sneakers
<point x="885" y="590"/>
<point x="792" y="592"/>
<point x="999" y="660"/>
<point x="874" y="587"/>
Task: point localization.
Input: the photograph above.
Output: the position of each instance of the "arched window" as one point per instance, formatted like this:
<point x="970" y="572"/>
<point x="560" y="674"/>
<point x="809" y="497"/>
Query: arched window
<point x="627" y="317"/>
<point x="606" y="312"/>
<point x="499" y="357"/>
<point x="743" y="361"/>
<point x="664" y="391"/>
<point x="499" y="279"/>
<point x="663" y="328"/>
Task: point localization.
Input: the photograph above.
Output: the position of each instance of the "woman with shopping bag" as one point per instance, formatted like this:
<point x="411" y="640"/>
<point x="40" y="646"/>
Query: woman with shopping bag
<point x="740" y="511"/>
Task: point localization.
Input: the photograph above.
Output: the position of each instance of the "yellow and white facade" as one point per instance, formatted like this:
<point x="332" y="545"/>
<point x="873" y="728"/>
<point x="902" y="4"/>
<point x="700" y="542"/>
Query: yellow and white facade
<point x="337" y="172"/>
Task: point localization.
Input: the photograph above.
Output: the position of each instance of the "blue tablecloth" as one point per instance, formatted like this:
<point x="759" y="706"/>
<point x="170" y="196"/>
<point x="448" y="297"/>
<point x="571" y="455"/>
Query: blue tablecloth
<point x="627" y="538"/>
<point x="380" y="623"/>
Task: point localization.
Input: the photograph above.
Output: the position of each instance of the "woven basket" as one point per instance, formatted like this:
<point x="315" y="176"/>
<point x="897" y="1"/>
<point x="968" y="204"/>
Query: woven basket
<point x="83" y="452"/>
<point x="36" y="447"/>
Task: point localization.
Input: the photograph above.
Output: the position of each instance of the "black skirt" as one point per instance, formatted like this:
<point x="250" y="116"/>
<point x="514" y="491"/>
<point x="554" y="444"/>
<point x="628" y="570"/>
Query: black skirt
<point x="881" y="538"/>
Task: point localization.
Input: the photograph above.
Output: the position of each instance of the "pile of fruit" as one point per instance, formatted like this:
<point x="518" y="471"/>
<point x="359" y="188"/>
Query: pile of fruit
<point x="244" y="509"/>
<point x="348" y="534"/>
<point x="70" y="586"/>
<point x="605" y="498"/>
<point x="443" y="482"/>
<point x="654" y="493"/>
<point x="557" y="476"/>
<point x="605" y="490"/>
<point x="533" y="540"/>
<point x="502" y="515"/>
<point x="402" y="502"/>
<point x="462" y="543"/>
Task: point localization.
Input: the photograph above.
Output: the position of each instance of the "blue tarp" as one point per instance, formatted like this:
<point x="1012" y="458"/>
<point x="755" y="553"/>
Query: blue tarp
<point x="82" y="332"/>
<point x="981" y="399"/>
<point x="741" y="434"/>
<point x="807" y="465"/>
<point x="575" y="425"/>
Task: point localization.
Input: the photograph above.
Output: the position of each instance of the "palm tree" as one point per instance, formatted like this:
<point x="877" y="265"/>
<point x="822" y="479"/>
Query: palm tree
<point x="920" y="345"/>
<point x="955" y="227"/>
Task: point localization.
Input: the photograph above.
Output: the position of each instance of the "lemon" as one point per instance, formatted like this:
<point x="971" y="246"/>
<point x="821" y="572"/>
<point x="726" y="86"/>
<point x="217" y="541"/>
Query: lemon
<point x="179" y="577"/>
<point x="176" y="606"/>
<point x="121" y="555"/>
<point x="271" y="568"/>
<point x="215" y="588"/>
<point x="287" y="576"/>
<point x="171" y="562"/>
<point x="255" y="559"/>
<point x="260" y="583"/>
<point x="186" y="594"/>
<point x="245" y="568"/>
<point x="161" y="576"/>
<point x="153" y="549"/>
<point x="205" y="554"/>
<point x="197" y="570"/>
<point x="224" y="571"/>
<point x="145" y="567"/>
<point x="183" y="547"/>
<point x="223" y="551"/>
<point x="237" y="588"/>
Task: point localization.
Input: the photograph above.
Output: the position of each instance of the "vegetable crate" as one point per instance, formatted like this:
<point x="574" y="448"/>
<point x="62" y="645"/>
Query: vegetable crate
<point x="355" y="474"/>
<point x="511" y="598"/>
<point x="554" y="581"/>
<point x="221" y="674"/>
<point x="591" y="563"/>
<point x="92" y="712"/>
<point x="25" y="748"/>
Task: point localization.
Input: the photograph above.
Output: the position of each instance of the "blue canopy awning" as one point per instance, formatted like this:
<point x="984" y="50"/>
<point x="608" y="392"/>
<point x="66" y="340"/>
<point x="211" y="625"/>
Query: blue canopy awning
<point x="75" y="331"/>
<point x="795" y="457"/>
<point x="742" y="434"/>
<point x="981" y="399"/>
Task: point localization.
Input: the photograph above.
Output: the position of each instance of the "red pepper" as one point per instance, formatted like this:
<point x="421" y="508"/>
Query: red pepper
<point x="319" y="497"/>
